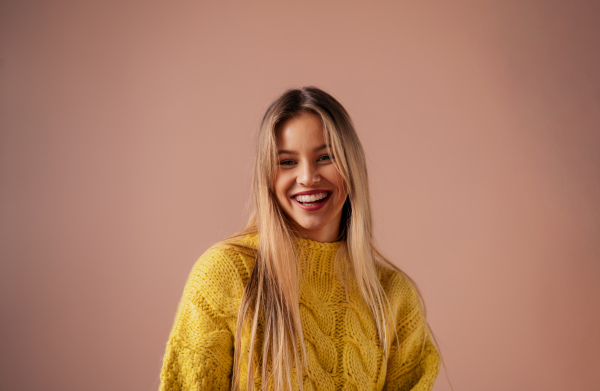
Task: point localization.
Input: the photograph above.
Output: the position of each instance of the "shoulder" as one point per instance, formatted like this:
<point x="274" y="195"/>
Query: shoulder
<point x="400" y="289"/>
<point x="231" y="256"/>
<point x="220" y="274"/>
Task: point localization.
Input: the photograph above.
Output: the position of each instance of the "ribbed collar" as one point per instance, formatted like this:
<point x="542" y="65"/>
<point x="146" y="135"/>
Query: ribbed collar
<point x="316" y="257"/>
<point x="253" y="240"/>
<point x="318" y="246"/>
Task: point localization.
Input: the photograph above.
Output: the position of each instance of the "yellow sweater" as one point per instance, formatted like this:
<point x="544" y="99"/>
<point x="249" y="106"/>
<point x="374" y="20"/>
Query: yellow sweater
<point x="343" y="350"/>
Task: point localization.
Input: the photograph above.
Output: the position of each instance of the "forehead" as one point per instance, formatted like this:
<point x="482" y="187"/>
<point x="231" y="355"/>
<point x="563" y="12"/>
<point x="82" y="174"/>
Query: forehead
<point x="304" y="130"/>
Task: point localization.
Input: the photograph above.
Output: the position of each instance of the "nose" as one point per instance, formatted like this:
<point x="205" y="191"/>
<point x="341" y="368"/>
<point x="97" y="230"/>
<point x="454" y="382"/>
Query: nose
<point x="308" y="175"/>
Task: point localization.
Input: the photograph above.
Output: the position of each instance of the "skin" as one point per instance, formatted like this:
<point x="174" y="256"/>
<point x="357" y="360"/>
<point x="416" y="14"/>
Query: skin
<point x="304" y="165"/>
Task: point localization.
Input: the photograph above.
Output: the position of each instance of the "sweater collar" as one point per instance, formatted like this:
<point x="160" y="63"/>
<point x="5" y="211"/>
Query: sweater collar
<point x="315" y="258"/>
<point x="318" y="246"/>
<point x="253" y="239"/>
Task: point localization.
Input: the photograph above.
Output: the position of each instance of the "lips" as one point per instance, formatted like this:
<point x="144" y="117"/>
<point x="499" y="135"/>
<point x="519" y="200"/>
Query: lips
<point x="311" y="200"/>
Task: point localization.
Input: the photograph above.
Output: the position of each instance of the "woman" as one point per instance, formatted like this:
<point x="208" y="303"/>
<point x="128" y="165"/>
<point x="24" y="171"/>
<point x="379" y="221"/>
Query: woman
<point x="302" y="299"/>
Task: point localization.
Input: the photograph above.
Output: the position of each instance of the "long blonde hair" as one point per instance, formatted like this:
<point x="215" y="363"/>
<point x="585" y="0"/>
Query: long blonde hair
<point x="271" y="296"/>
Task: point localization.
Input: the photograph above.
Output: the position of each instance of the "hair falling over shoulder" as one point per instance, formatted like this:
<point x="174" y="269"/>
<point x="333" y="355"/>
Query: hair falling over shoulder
<point x="270" y="304"/>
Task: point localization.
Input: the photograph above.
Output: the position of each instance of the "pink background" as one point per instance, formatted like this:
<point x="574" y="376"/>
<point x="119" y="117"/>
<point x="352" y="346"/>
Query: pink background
<point x="127" y="133"/>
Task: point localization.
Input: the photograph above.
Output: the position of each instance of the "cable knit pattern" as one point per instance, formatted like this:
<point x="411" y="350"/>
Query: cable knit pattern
<point x="341" y="340"/>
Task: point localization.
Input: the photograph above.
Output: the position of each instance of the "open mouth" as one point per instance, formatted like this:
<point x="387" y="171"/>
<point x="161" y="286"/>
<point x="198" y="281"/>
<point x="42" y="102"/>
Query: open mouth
<point x="312" y="199"/>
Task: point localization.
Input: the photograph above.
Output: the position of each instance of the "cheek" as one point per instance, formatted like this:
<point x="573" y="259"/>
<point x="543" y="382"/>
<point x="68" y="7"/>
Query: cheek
<point x="340" y="185"/>
<point x="281" y="186"/>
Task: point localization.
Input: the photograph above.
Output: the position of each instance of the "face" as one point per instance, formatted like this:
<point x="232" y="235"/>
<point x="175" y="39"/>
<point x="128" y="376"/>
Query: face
<point x="308" y="186"/>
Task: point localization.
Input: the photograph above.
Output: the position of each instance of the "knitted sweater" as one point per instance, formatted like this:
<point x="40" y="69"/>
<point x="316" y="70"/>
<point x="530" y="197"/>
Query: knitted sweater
<point x="340" y="335"/>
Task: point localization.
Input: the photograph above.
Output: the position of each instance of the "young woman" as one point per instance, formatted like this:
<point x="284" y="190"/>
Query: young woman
<point x="302" y="299"/>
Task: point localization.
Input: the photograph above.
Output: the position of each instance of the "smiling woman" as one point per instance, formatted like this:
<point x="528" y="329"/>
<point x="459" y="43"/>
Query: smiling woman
<point x="302" y="299"/>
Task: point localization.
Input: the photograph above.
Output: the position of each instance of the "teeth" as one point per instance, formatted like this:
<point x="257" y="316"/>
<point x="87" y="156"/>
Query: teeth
<point x="311" y="198"/>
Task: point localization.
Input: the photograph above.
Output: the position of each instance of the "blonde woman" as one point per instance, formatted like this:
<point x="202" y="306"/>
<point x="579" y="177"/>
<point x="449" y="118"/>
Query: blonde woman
<point x="302" y="299"/>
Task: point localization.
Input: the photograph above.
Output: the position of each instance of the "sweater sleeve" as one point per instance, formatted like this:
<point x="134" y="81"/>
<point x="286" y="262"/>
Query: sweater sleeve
<point x="199" y="353"/>
<point x="414" y="361"/>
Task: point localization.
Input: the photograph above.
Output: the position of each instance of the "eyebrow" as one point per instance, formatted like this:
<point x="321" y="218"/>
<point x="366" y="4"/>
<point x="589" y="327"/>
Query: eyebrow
<point x="320" y="147"/>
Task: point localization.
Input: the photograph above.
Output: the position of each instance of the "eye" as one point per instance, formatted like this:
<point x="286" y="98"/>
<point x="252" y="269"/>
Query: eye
<point x="324" y="158"/>
<point x="286" y="162"/>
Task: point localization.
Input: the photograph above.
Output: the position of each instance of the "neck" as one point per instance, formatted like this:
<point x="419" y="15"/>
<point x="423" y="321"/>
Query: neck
<point x="323" y="235"/>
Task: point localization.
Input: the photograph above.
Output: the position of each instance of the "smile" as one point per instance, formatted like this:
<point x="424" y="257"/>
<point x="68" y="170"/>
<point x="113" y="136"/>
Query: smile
<point x="312" y="201"/>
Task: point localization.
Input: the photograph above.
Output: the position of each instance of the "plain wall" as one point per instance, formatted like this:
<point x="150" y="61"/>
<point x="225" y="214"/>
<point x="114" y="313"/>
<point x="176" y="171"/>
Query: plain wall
<point x="127" y="134"/>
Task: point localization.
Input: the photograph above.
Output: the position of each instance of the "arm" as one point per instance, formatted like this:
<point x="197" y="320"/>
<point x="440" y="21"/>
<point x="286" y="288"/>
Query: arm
<point x="414" y="361"/>
<point x="199" y="352"/>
